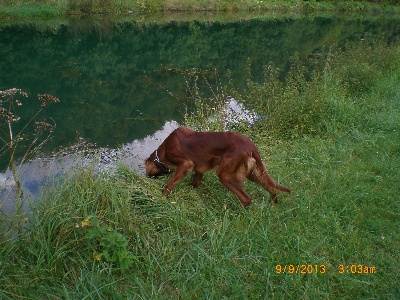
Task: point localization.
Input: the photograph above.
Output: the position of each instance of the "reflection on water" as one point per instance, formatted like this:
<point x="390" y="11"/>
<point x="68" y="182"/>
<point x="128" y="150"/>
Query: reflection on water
<point x="37" y="172"/>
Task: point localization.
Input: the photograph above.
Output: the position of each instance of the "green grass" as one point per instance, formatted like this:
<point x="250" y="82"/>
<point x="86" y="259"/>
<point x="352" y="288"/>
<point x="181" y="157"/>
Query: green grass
<point x="201" y="244"/>
<point x="19" y="9"/>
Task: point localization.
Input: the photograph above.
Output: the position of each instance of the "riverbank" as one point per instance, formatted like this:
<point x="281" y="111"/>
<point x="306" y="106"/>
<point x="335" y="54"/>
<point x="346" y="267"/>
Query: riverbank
<point x="332" y="136"/>
<point x="18" y="9"/>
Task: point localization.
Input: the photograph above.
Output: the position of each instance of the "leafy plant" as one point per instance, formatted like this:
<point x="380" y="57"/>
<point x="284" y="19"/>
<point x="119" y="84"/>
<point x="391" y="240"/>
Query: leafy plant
<point x="107" y="243"/>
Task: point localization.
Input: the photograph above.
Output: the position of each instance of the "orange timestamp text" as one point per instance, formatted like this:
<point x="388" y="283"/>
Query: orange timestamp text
<point x="322" y="269"/>
<point x="301" y="269"/>
<point x="356" y="269"/>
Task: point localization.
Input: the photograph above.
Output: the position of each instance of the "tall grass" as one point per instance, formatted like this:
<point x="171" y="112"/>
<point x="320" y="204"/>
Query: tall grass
<point x="332" y="92"/>
<point x="201" y="244"/>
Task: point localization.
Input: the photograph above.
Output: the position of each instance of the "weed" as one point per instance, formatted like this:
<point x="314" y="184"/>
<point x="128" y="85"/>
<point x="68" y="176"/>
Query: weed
<point x="8" y="117"/>
<point x="106" y="243"/>
<point x="208" y="109"/>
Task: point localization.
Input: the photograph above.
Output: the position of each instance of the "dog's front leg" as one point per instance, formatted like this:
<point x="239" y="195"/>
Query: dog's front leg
<point x="180" y="172"/>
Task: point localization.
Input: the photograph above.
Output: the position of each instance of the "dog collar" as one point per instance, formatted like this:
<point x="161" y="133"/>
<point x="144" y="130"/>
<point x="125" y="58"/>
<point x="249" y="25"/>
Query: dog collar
<point x="161" y="164"/>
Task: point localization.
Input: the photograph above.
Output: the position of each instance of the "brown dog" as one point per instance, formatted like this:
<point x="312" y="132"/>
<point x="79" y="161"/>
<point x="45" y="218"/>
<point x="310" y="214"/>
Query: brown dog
<point x="234" y="155"/>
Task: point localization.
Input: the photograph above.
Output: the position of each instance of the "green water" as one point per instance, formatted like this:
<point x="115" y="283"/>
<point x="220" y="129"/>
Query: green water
<point x="121" y="80"/>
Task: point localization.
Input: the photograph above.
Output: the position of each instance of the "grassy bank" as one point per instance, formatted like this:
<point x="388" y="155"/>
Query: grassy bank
<point x="15" y="9"/>
<point x="331" y="135"/>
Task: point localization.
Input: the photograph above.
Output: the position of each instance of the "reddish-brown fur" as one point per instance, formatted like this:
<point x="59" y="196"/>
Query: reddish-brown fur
<point x="233" y="155"/>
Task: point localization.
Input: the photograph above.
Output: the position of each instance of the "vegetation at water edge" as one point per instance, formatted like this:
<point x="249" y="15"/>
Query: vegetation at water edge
<point x="46" y="8"/>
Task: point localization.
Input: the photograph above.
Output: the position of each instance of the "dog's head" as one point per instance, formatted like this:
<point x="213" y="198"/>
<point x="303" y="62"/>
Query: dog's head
<point x="154" y="167"/>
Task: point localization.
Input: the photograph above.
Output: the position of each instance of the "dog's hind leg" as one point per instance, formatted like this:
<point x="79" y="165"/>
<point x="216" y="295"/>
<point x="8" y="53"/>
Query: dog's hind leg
<point x="231" y="174"/>
<point x="235" y="186"/>
<point x="265" y="181"/>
